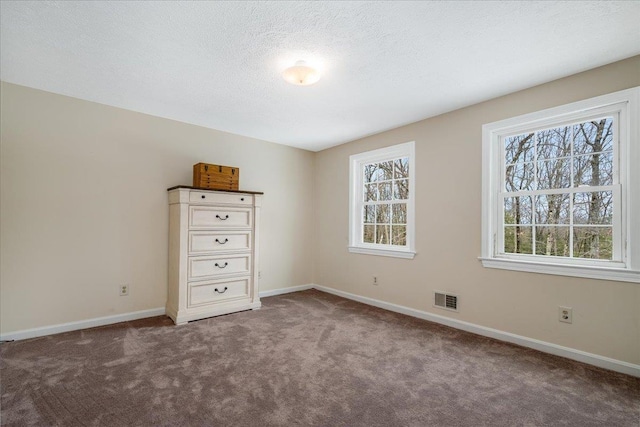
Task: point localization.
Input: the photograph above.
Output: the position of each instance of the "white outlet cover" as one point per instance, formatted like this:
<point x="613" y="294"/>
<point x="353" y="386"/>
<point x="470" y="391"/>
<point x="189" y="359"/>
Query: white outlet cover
<point x="565" y="314"/>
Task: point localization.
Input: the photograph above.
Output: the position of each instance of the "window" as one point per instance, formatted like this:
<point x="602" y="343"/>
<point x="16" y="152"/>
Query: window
<point x="560" y="190"/>
<point x="382" y="202"/>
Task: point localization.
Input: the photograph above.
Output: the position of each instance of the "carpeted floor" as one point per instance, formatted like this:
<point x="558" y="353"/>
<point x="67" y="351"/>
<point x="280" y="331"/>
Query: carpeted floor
<point x="304" y="359"/>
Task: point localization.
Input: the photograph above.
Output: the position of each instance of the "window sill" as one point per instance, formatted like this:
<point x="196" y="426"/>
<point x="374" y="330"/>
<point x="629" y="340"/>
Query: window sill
<point x="382" y="252"/>
<point x="616" y="274"/>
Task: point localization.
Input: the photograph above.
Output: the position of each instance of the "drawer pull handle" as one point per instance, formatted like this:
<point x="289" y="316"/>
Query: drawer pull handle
<point x="242" y="199"/>
<point x="225" y="264"/>
<point x="203" y="196"/>
<point x="221" y="292"/>
<point x="222" y="243"/>
<point x="226" y="217"/>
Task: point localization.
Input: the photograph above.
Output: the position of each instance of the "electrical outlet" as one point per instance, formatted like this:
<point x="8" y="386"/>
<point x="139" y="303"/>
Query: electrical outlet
<point x="259" y="274"/>
<point x="375" y="280"/>
<point x="124" y="290"/>
<point x="565" y="314"/>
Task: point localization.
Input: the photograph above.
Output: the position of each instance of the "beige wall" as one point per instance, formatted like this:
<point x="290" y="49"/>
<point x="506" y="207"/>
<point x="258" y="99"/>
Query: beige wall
<point x="83" y="205"/>
<point x="448" y="213"/>
<point x="83" y="209"/>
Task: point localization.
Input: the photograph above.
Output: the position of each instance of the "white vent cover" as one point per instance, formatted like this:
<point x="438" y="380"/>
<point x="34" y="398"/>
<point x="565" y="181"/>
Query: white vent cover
<point x="445" y="301"/>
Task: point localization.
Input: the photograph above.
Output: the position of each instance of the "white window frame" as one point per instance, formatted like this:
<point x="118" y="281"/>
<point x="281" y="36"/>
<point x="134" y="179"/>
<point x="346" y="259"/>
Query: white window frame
<point x="624" y="106"/>
<point x="356" y="201"/>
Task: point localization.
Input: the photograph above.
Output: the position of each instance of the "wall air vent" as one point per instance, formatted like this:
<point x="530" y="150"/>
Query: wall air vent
<point x="445" y="301"/>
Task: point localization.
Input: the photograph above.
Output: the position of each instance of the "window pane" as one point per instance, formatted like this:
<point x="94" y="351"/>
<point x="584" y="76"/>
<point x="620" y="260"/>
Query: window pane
<point x="593" y="208"/>
<point x="371" y="172"/>
<point x="519" y="177"/>
<point x="517" y="239"/>
<point x="401" y="189"/>
<point x="593" y="136"/>
<point x="385" y="170"/>
<point x="384" y="191"/>
<point x="382" y="214"/>
<point x="553" y="143"/>
<point x="552" y="241"/>
<point x="401" y="168"/>
<point x="593" y="170"/>
<point x="369" y="233"/>
<point x="518" y="148"/>
<point x="399" y="235"/>
<point x="552" y="209"/>
<point x="382" y="234"/>
<point x="593" y="242"/>
<point x="382" y="176"/>
<point x="369" y="214"/>
<point x="554" y="174"/>
<point x="518" y="210"/>
<point x="370" y="192"/>
<point x="400" y="213"/>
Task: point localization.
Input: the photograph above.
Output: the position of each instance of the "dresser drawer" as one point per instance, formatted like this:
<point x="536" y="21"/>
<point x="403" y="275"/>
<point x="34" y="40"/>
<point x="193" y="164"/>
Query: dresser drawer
<point x="204" y="197"/>
<point x="219" y="217"/>
<point x="202" y="267"/>
<point x="219" y="290"/>
<point x="201" y="242"/>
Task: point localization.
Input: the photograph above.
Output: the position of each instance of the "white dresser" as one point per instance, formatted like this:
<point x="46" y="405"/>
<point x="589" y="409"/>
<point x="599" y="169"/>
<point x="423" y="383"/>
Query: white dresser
<point x="213" y="252"/>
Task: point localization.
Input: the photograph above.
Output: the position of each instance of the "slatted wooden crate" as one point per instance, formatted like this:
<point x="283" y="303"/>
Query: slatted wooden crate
<point x="216" y="177"/>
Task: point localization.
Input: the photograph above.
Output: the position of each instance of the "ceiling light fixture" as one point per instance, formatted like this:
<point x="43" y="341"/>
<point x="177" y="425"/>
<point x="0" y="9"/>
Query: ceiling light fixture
<point x="301" y="74"/>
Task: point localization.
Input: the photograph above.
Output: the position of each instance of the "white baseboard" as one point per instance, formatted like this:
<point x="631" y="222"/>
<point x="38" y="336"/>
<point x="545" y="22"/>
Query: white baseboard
<point x="108" y="320"/>
<point x="280" y="291"/>
<point x="82" y="324"/>
<point x="546" y="347"/>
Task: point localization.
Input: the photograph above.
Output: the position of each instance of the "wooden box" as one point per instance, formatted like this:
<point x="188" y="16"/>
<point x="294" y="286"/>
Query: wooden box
<point x="216" y="177"/>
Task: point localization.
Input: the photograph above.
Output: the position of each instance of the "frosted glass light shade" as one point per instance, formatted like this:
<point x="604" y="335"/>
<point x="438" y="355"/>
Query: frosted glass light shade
<point x="301" y="74"/>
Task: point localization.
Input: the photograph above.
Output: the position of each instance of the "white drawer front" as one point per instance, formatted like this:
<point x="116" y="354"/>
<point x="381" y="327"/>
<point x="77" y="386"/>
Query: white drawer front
<point x="218" y="217"/>
<point x="220" y="198"/>
<point x="211" y="292"/>
<point x="218" y="241"/>
<point x="202" y="267"/>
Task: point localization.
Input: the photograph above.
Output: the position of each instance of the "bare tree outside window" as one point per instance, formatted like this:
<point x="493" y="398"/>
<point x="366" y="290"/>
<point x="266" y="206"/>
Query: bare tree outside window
<point x="386" y="194"/>
<point x="560" y="190"/>
<point x="558" y="198"/>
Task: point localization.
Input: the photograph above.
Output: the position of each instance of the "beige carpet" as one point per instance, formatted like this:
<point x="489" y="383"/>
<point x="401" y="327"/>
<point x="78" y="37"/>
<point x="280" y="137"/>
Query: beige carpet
<point x="304" y="359"/>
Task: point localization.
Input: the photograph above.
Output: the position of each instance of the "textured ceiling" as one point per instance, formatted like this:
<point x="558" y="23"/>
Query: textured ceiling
<point x="384" y="64"/>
